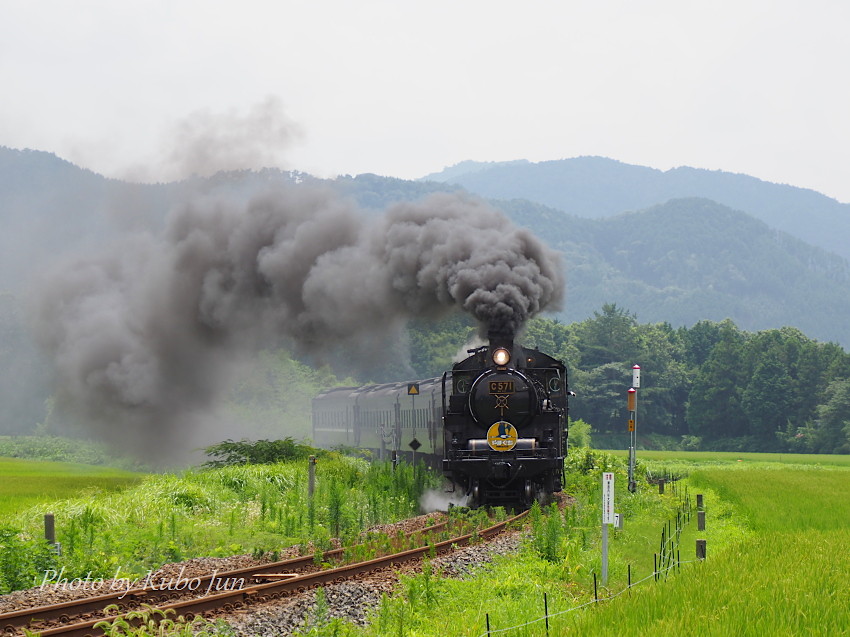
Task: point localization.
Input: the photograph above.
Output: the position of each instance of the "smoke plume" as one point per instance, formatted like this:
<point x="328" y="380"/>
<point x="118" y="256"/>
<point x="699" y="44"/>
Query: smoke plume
<point x="206" y="142"/>
<point x="143" y="336"/>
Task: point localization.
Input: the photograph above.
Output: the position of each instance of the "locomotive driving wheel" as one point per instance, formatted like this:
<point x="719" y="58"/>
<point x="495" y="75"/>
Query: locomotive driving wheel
<point x="528" y="493"/>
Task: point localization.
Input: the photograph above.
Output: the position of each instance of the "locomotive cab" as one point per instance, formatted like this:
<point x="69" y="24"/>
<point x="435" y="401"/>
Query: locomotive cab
<point x="505" y="421"/>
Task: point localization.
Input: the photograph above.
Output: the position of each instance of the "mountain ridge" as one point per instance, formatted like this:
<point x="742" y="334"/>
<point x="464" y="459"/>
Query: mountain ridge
<point x="593" y="186"/>
<point x="677" y="261"/>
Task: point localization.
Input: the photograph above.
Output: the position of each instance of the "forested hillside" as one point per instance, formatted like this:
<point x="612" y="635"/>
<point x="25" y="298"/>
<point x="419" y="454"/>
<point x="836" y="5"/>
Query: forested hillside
<point x="596" y="187"/>
<point x="693" y="259"/>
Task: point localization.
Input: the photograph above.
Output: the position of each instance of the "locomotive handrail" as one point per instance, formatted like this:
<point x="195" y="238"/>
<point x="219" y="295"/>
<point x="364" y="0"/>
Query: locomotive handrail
<point x="444" y="395"/>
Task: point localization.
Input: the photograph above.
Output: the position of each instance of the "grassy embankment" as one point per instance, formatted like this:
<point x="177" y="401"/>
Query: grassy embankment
<point x="777" y="561"/>
<point x="219" y="512"/>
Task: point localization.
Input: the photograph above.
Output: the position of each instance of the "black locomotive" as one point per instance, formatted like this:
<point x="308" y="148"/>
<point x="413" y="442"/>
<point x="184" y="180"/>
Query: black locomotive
<point x="496" y="424"/>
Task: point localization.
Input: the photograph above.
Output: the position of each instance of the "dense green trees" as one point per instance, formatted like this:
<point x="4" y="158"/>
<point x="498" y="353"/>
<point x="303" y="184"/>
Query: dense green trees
<point x="771" y="390"/>
<point x="722" y="387"/>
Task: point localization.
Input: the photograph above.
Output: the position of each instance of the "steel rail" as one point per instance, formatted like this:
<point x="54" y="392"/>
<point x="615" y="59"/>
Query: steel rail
<point x="240" y="598"/>
<point x="13" y="621"/>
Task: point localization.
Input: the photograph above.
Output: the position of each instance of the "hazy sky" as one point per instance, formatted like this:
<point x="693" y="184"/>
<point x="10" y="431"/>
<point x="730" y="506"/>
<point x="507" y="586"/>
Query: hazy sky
<point x="157" y="88"/>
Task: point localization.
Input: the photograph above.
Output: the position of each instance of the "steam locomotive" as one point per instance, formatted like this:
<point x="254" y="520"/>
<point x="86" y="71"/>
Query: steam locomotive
<point x="496" y="423"/>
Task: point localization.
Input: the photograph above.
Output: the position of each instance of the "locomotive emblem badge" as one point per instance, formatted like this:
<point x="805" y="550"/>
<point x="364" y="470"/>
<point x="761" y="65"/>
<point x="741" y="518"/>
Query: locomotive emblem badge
<point x="502" y="436"/>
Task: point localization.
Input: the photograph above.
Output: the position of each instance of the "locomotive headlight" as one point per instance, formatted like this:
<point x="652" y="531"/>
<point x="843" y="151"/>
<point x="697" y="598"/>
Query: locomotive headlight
<point x="501" y="357"/>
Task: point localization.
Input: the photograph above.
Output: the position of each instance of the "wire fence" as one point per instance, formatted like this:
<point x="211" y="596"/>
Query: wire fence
<point x="653" y="576"/>
<point x="668" y="559"/>
<point x="671" y="536"/>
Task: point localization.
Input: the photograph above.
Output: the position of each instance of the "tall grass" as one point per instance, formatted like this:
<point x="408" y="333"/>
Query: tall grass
<point x="240" y="509"/>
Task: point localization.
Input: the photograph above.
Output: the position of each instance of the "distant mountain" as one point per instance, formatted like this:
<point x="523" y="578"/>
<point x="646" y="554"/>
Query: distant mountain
<point x="599" y="187"/>
<point x="679" y="260"/>
<point x="692" y="259"/>
<point x="49" y="207"/>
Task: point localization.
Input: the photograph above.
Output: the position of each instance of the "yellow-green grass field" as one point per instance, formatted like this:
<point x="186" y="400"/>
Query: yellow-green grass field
<point x="786" y="576"/>
<point x="24" y="483"/>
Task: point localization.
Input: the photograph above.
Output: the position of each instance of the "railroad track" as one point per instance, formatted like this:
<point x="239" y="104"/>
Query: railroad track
<point x="275" y="580"/>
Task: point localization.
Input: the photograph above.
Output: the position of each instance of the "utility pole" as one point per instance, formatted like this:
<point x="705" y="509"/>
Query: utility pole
<point x="632" y="406"/>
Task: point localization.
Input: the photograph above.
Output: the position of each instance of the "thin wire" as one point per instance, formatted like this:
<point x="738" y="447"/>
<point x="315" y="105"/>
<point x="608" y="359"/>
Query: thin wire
<point x="590" y="603"/>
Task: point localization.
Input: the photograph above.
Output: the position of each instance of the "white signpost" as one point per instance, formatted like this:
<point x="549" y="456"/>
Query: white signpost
<point x="607" y="498"/>
<point x="607" y="518"/>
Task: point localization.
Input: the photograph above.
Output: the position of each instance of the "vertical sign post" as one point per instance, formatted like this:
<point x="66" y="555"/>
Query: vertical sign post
<point x="413" y="392"/>
<point x="607" y="518"/>
<point x="311" y="476"/>
<point x="632" y="406"/>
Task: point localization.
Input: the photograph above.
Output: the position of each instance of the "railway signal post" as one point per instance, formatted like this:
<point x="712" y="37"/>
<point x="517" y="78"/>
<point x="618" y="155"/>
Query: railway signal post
<point x="632" y="407"/>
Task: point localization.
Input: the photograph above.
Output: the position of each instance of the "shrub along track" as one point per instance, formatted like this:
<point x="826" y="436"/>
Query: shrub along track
<point x="227" y="592"/>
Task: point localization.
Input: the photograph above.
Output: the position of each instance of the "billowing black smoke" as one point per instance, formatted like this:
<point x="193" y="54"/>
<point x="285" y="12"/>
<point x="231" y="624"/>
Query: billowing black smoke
<point x="143" y="335"/>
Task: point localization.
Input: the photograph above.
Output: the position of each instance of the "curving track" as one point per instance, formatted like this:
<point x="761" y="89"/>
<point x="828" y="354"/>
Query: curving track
<point x="77" y="618"/>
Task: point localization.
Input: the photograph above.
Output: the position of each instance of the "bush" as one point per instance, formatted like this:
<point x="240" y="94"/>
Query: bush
<point x="579" y="433"/>
<point x="258" y="452"/>
<point x="22" y="559"/>
<point x="691" y="443"/>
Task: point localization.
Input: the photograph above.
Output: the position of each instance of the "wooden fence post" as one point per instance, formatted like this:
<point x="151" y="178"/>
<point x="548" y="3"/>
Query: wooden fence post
<point x="700" y="549"/>
<point x="311" y="476"/>
<point x="699" y="502"/>
<point x="700" y="520"/>
<point x="49" y="529"/>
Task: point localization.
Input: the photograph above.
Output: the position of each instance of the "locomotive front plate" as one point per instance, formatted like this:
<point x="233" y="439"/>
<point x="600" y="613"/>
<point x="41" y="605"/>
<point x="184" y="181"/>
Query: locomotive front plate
<point x="502" y="436"/>
<point x="502" y="396"/>
<point x="501" y="387"/>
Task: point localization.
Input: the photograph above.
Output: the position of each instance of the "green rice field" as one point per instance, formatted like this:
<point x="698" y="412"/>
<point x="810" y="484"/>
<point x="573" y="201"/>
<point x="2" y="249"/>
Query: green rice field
<point x="731" y="458"/>
<point x="788" y="575"/>
<point x="24" y="483"/>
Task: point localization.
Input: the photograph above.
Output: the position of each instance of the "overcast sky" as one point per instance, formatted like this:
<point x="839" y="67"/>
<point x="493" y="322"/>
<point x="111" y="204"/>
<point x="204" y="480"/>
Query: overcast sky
<point x="156" y="89"/>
